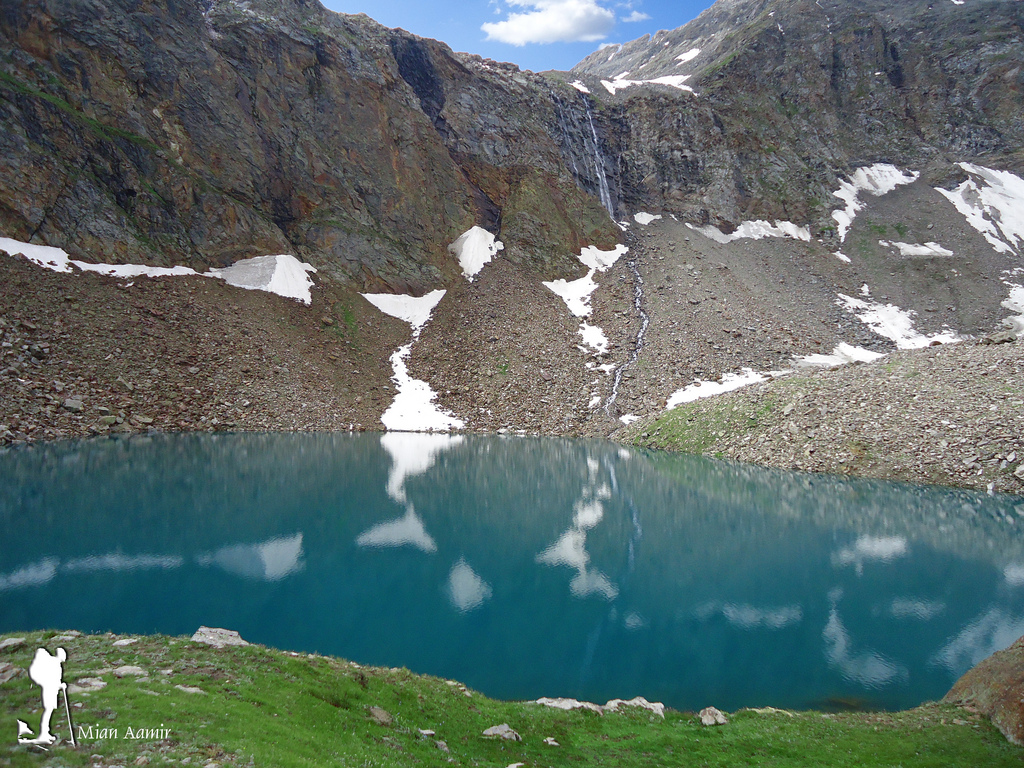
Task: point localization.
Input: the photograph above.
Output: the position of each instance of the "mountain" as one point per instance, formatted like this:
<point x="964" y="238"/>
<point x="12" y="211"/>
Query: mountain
<point x="791" y="94"/>
<point x="798" y="183"/>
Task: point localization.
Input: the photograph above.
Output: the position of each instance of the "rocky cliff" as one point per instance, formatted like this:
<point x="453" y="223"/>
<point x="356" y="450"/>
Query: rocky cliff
<point x="788" y="95"/>
<point x="202" y="132"/>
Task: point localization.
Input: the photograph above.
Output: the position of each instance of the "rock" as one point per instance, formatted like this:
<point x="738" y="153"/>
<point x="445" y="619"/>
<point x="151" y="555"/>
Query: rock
<point x="8" y="672"/>
<point x="129" y="671"/>
<point x="381" y="716"/>
<point x="443" y="746"/>
<point x="108" y="420"/>
<point x="190" y="689"/>
<point x="11" y="643"/>
<point x="425" y="732"/>
<point x="550" y="741"/>
<point x="712" y="716"/>
<point x="142" y="760"/>
<point x="87" y="685"/>
<point x="995" y="688"/>
<point x="1000" y="337"/>
<point x="218" y="638"/>
<point x="503" y="731"/>
<point x="656" y="707"/>
<point x="73" y="405"/>
<point x="568" y="704"/>
<point x="125" y="641"/>
<point x="1019" y="472"/>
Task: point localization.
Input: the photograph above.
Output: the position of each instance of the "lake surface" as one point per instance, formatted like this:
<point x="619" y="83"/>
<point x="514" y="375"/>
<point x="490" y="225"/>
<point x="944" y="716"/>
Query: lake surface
<point x="523" y="567"/>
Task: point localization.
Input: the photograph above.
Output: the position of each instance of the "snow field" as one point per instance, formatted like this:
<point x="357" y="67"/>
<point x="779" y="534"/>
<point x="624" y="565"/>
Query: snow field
<point x="893" y="323"/>
<point x="576" y="293"/>
<point x="917" y="249"/>
<point x="755" y="230"/>
<point x="413" y="409"/>
<point x="619" y="82"/>
<point x="878" y="180"/>
<point x="993" y="203"/>
<point x="283" y="274"/>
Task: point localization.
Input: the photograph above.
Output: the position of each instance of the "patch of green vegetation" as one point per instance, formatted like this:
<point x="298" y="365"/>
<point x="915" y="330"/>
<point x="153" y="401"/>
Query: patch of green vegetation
<point x="879" y="229"/>
<point x="257" y="706"/>
<point x="698" y="426"/>
<point x="901" y="229"/>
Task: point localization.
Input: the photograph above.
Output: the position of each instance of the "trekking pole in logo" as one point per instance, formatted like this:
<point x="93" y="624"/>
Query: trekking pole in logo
<point x="47" y="672"/>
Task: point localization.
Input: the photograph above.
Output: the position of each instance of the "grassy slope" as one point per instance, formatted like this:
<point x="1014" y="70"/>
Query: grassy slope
<point x="269" y="708"/>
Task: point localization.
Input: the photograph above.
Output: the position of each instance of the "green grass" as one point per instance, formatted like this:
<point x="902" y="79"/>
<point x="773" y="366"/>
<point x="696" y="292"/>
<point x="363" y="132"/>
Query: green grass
<point x="696" y="427"/>
<point x="269" y="708"/>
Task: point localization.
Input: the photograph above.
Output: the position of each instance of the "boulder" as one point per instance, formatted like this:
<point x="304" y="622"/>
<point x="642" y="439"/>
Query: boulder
<point x="503" y="731"/>
<point x="218" y="638"/>
<point x="995" y="688"/>
<point x="712" y="716"/>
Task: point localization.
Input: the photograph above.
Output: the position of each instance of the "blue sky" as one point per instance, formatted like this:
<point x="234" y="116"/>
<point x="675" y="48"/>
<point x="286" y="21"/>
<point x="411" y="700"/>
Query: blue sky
<point x="535" y="34"/>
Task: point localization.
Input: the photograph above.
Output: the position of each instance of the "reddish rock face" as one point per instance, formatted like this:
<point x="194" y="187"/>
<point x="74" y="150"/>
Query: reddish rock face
<point x="996" y="689"/>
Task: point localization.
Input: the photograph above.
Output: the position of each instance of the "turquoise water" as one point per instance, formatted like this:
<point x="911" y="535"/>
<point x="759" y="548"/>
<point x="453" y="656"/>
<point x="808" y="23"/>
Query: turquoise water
<point x="523" y="567"/>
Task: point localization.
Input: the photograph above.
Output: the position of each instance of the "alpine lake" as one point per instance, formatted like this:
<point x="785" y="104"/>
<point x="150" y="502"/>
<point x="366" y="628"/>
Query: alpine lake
<point x="523" y="567"/>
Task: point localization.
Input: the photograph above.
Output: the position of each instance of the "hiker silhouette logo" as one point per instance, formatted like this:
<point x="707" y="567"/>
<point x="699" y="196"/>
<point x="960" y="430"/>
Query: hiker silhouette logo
<point x="47" y="672"/>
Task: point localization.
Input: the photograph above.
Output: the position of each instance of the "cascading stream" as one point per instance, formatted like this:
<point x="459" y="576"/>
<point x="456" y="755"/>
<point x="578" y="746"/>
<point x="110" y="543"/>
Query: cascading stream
<point x="566" y="136"/>
<point x="645" y="321"/>
<point x="602" y="178"/>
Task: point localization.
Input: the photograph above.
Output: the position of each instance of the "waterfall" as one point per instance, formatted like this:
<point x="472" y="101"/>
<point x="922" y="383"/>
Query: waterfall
<point x="580" y="141"/>
<point x="602" y="178"/>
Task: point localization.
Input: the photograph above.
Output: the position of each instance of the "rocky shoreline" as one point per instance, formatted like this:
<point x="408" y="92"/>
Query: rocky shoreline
<point x="950" y="415"/>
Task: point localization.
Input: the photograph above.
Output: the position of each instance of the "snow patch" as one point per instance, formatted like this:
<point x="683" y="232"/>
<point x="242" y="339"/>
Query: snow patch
<point x="993" y="203"/>
<point x="893" y="323"/>
<point x="690" y="55"/>
<point x="628" y="419"/>
<point x="1015" y="303"/>
<point x="474" y="248"/>
<point x="755" y="230"/>
<point x="414" y="310"/>
<point x="413" y="409"/>
<point x="917" y="249"/>
<point x="579" y="86"/>
<point x="877" y="180"/>
<point x="842" y="256"/>
<point x="645" y="218"/>
<point x="284" y="274"/>
<point x="619" y="82"/>
<point x="728" y="383"/>
<point x="576" y="293"/>
<point x="843" y="354"/>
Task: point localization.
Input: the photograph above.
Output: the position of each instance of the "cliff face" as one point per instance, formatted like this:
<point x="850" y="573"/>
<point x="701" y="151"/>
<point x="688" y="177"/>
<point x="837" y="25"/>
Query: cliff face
<point x="789" y="94"/>
<point x="203" y="132"/>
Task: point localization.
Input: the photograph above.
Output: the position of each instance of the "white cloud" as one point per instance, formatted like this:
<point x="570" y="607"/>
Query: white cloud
<point x="637" y="16"/>
<point x="552" y="21"/>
